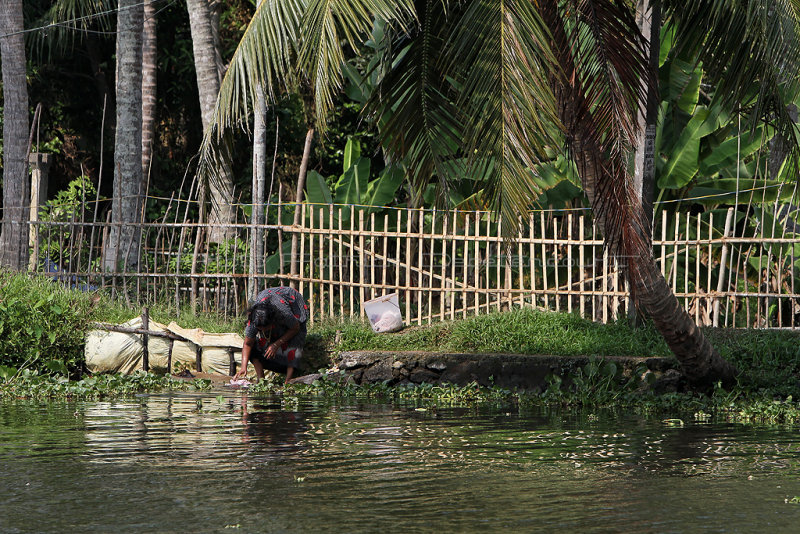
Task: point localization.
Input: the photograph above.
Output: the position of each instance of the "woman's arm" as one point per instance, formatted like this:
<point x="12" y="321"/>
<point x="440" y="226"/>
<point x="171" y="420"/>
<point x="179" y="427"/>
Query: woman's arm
<point x="249" y="343"/>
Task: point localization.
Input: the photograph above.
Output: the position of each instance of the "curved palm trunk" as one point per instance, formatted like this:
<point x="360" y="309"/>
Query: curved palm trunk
<point x="620" y="216"/>
<point x="122" y="249"/>
<point x="208" y="82"/>
<point x="14" y="235"/>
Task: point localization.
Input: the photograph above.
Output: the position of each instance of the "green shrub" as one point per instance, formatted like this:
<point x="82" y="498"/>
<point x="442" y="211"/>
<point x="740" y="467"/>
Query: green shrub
<point x="42" y="324"/>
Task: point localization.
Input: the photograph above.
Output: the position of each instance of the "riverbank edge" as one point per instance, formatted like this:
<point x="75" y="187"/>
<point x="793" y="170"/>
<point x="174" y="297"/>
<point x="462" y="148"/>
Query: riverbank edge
<point x="529" y="372"/>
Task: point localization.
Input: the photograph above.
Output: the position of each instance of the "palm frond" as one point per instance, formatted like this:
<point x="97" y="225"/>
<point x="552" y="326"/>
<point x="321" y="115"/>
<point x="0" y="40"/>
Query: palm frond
<point x="328" y="25"/>
<point x="66" y="21"/>
<point x="412" y="106"/>
<point x="499" y="50"/>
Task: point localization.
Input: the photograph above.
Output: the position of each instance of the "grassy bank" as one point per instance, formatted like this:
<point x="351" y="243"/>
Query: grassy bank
<point x="43" y="325"/>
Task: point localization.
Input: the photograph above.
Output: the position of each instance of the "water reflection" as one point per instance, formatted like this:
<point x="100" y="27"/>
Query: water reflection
<point x="198" y="463"/>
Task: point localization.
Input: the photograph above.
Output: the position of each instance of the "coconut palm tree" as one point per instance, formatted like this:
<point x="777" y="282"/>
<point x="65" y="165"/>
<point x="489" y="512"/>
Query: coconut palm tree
<point x="208" y="81"/>
<point x="500" y="83"/>
<point x="122" y="247"/>
<point x="14" y="233"/>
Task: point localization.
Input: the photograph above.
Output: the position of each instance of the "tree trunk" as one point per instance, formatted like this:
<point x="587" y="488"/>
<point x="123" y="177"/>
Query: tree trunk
<point x="620" y="217"/>
<point x="123" y="244"/>
<point x="208" y="82"/>
<point x="149" y="68"/>
<point x="301" y="186"/>
<point x="16" y="193"/>
<point x="259" y="184"/>
<point x="648" y="17"/>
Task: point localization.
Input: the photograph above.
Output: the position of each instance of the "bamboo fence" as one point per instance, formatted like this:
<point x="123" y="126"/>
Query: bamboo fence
<point x="443" y="265"/>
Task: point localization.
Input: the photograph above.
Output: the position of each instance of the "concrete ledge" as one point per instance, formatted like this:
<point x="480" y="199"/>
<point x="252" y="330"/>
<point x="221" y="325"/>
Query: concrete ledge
<point x="505" y="370"/>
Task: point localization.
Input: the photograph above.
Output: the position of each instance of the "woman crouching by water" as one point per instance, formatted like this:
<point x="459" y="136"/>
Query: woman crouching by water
<point x="275" y="332"/>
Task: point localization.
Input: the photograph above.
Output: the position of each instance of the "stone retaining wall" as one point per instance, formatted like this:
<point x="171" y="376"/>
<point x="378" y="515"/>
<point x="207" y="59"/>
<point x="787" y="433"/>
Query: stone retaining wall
<point x="504" y="370"/>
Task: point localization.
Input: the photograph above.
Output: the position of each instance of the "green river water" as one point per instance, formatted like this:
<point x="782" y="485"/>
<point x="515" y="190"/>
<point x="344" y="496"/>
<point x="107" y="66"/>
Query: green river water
<point x="196" y="463"/>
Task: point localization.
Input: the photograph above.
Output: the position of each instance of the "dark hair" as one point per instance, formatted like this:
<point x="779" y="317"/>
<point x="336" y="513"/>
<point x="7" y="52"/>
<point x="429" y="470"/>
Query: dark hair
<point x="259" y="315"/>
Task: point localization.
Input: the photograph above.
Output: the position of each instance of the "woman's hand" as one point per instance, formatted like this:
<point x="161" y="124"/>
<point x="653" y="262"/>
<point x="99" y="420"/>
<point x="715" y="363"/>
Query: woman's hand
<point x="241" y="373"/>
<point x="272" y="350"/>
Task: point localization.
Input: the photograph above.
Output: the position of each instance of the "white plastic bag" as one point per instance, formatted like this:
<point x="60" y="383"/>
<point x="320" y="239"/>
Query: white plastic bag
<point x="384" y="313"/>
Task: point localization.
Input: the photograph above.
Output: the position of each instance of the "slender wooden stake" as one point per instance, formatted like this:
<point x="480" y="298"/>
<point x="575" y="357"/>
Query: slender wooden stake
<point x="477" y="263"/>
<point x="145" y="340"/>
<point x="431" y="264"/>
<point x="352" y="259"/>
<point x="686" y="264"/>
<point x="198" y="359"/>
<point x="581" y="265"/>
<point x="169" y="356"/>
<point x="723" y="263"/>
<point x="231" y="362"/>
<point x="331" y="261"/>
<point x="397" y="245"/>
<point x="372" y="249"/>
<point x="407" y="292"/>
<point x="312" y="305"/>
<point x="697" y="284"/>
<point x="605" y="285"/>
<point x="545" y="285"/>
<point x="385" y="251"/>
<point x="443" y="282"/>
<point x="532" y="253"/>
<point x="466" y="266"/>
<point x="675" y="254"/>
<point x="421" y="265"/>
<point x="301" y="261"/>
<point x="341" y="265"/>
<point x="453" y="261"/>
<point x="361" y="260"/>
<point x="709" y="299"/>
<point x="569" y="263"/>
<point x="595" y="299"/>
<point x="556" y="296"/>
<point x="280" y="232"/>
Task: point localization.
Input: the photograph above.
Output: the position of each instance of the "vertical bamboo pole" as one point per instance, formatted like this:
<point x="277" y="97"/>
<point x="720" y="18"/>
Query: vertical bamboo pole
<point x="723" y="263"/>
<point x="545" y="285"/>
<point x="697" y="252"/>
<point x="372" y="250"/>
<point x="466" y="266"/>
<point x="531" y="252"/>
<point x="431" y="264"/>
<point x="581" y="265"/>
<point x="407" y="284"/>
<point x="385" y="260"/>
<point x="519" y="264"/>
<point x="361" y="261"/>
<point x="501" y="294"/>
<point x="443" y="267"/>
<point x="477" y="298"/>
<point x="675" y="247"/>
<point x="594" y="272"/>
<point x="331" y="261"/>
<point x="280" y="235"/>
<point x="453" y="261"/>
<point x="569" y="262"/>
<point x="664" y="245"/>
<point x="301" y="261"/>
<point x="556" y="297"/>
<point x="420" y="265"/>
<point x="145" y="340"/>
<point x="709" y="302"/>
<point x="341" y="264"/>
<point x="686" y="263"/>
<point x="352" y="257"/>
<point x="605" y="285"/>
